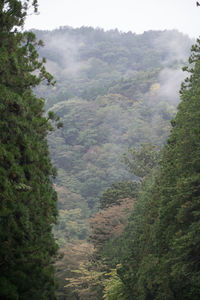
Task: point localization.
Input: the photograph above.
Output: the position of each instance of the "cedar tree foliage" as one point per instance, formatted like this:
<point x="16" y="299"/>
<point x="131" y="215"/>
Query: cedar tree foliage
<point x="162" y="254"/>
<point x="27" y="199"/>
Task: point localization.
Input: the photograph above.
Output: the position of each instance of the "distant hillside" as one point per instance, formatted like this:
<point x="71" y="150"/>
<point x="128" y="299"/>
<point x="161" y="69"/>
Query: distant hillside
<point x="87" y="62"/>
<point x="114" y="91"/>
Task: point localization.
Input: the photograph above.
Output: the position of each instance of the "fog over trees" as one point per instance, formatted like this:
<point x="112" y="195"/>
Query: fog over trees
<point x="99" y="158"/>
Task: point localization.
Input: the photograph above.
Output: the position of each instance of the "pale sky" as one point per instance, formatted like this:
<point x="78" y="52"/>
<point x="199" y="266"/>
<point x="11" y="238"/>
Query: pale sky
<point x="126" y="15"/>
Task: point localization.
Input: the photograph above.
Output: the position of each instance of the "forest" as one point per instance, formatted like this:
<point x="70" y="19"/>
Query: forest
<point x="100" y="163"/>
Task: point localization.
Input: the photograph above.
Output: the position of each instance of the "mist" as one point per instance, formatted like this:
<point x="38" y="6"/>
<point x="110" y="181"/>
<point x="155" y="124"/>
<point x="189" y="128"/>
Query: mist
<point x="113" y="92"/>
<point x="170" y="83"/>
<point x="175" y="46"/>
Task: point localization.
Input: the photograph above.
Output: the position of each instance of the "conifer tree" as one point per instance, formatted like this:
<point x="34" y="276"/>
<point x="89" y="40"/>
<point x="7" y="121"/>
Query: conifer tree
<point x="27" y="199"/>
<point x="162" y="240"/>
<point x="177" y="228"/>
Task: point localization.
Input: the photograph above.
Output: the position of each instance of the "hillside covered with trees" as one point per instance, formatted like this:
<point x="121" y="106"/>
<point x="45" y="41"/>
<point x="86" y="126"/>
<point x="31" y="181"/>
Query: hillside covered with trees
<point x="157" y="255"/>
<point x="114" y="91"/>
<point x="115" y="94"/>
<point x="120" y="122"/>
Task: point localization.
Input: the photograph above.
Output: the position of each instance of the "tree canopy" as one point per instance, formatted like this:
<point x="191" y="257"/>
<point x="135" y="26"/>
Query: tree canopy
<point x="28" y="201"/>
<point x="162" y="236"/>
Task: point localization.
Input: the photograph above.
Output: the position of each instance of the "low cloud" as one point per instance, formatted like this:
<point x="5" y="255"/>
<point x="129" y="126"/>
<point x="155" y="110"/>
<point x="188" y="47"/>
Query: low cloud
<point x="170" y="82"/>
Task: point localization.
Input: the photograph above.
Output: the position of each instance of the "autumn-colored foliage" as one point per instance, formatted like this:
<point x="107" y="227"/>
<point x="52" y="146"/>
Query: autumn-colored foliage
<point x="109" y="223"/>
<point x="76" y="273"/>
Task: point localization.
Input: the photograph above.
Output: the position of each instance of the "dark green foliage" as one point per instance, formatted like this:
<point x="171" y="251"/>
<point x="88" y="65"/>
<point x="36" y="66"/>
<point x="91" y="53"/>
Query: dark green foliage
<point x="161" y="242"/>
<point x="27" y="199"/>
<point x="178" y="222"/>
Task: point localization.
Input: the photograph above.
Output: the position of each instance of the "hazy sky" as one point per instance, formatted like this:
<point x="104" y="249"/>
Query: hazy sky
<point x="126" y="15"/>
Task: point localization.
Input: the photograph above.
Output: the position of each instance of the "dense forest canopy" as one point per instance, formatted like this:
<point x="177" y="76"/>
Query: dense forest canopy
<point x="114" y="91"/>
<point x="127" y="178"/>
<point x="86" y="62"/>
<point x="115" y="94"/>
